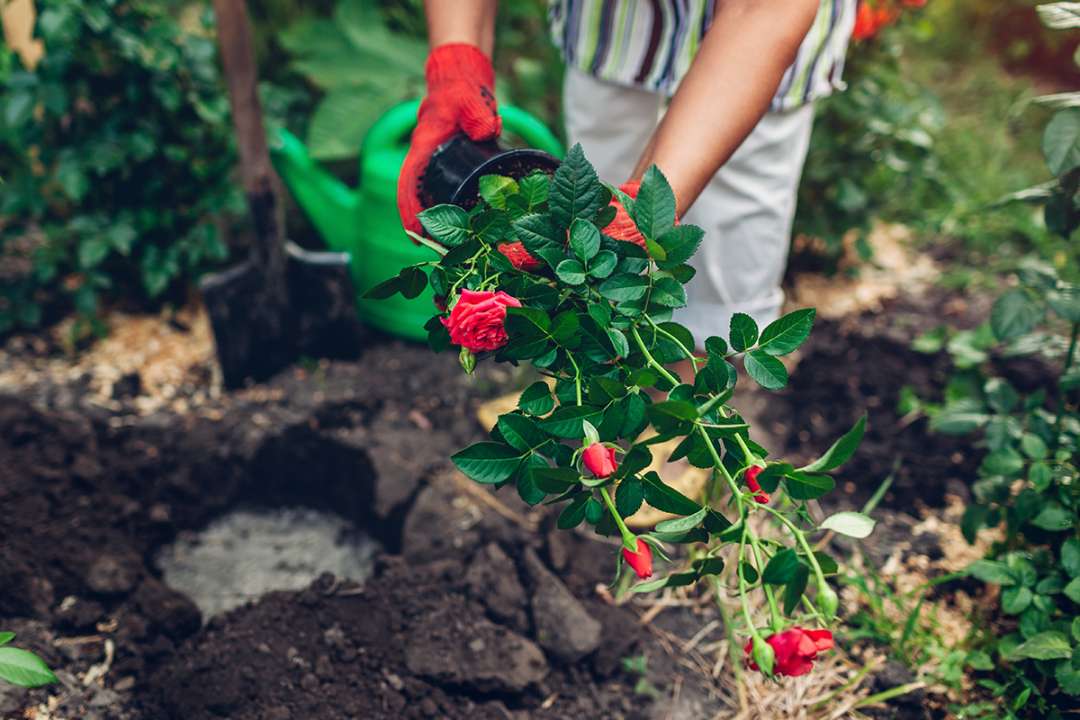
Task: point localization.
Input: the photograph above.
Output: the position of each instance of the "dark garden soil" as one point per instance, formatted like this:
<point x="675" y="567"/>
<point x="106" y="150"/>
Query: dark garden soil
<point x="477" y="609"/>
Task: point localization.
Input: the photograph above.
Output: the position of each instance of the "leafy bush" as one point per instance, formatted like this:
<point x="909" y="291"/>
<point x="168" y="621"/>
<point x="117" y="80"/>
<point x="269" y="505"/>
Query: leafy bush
<point x="1028" y="478"/>
<point x="872" y="149"/>
<point x="528" y="274"/>
<point x="115" y="151"/>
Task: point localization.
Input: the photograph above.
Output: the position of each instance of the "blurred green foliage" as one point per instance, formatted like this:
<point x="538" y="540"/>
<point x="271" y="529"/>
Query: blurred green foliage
<point x="116" y="153"/>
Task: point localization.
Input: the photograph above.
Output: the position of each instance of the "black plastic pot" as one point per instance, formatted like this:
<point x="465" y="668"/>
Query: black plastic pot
<point x="454" y="172"/>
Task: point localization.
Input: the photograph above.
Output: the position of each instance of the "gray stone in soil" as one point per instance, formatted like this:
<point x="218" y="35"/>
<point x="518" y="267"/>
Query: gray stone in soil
<point x="454" y="647"/>
<point x="246" y="554"/>
<point x="563" y="627"/>
<point x="112" y="575"/>
<point x="493" y="580"/>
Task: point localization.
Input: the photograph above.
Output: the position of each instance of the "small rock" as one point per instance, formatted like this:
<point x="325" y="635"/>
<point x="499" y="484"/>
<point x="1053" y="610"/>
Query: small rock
<point x="394" y="680"/>
<point x="334" y="636"/>
<point x="309" y="682"/>
<point x="563" y="626"/>
<point x="440" y="648"/>
<point x="278" y="713"/>
<point x="428" y="707"/>
<point x="493" y="580"/>
<point x="112" y="575"/>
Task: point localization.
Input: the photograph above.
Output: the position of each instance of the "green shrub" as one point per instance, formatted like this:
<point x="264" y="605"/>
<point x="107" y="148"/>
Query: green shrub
<point x="116" y="154"/>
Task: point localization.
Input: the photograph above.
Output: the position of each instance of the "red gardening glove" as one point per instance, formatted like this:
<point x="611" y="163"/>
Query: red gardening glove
<point x="460" y="98"/>
<point x="622" y="227"/>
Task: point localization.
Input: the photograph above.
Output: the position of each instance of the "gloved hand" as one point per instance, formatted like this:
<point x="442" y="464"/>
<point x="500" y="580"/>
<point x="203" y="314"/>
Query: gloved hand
<point x="622" y="227"/>
<point x="460" y="98"/>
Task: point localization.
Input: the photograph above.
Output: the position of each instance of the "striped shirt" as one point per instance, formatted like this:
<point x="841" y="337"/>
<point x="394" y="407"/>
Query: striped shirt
<point x="651" y="43"/>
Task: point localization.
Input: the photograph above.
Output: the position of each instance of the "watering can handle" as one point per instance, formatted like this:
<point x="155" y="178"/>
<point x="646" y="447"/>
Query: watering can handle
<point x="394" y="127"/>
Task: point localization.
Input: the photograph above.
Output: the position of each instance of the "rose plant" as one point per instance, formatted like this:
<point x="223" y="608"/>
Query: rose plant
<point x="533" y="272"/>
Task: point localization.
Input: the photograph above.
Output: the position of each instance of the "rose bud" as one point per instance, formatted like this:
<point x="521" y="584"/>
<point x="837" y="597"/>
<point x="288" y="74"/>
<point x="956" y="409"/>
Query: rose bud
<point x="518" y="256"/>
<point x="640" y="561"/>
<point x="599" y="459"/>
<point x="794" y="650"/>
<point x="752" y="473"/>
<point x="476" y="322"/>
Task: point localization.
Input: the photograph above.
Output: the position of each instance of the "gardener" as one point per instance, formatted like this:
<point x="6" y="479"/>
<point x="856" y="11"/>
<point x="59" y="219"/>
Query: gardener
<point x="742" y="76"/>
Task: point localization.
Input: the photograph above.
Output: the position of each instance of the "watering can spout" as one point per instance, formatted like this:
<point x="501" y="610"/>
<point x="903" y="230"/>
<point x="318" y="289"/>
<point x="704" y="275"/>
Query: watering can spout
<point x="324" y="198"/>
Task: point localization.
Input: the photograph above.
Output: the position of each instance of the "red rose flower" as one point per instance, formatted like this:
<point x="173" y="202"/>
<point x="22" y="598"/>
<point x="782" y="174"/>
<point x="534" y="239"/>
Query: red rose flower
<point x="476" y="322"/>
<point x="913" y="3"/>
<point x="599" y="459"/>
<point x="640" y="561"/>
<point x="755" y="487"/>
<point x="795" y="650"/>
<point x="518" y="256"/>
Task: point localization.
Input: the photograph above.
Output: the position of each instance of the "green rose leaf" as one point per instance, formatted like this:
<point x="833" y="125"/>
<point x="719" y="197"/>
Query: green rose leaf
<point x="624" y="287"/>
<point x="852" y="524"/>
<point x="488" y="462"/>
<point x="629" y="496"/>
<point x="841" y="450"/>
<point x="668" y="292"/>
<point x="537" y="399"/>
<point x="666" y="498"/>
<point x="654" y="209"/>
<point x="495" y="189"/>
<point x="744" y="332"/>
<point x="679" y="245"/>
<point x="571" y="272"/>
<point x="534" y="189"/>
<point x="786" y="334"/>
<point x="566" y="421"/>
<point x="575" y="191"/>
<point x="574" y="513"/>
<point x="808" y="486"/>
<point x="766" y="370"/>
<point x="683" y="524"/>
<point x="446" y="224"/>
<point x="603" y="264"/>
<point x="781" y="568"/>
<point x="23" y="668"/>
<point x="6" y="637"/>
<point x="584" y="239"/>
<point x="521" y="432"/>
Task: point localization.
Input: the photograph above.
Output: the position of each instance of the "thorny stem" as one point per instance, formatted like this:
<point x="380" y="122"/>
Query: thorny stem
<point x="774" y="611"/>
<point x="427" y="242"/>
<point x="694" y="360"/>
<point x="742" y="586"/>
<point x="650" y="359"/>
<point x="577" y="377"/>
<point x="629" y="539"/>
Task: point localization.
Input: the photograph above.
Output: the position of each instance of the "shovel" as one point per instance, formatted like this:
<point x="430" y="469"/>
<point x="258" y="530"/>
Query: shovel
<point x="283" y="301"/>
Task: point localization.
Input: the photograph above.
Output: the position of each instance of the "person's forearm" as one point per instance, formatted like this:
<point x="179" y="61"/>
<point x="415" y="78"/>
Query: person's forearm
<point x="461" y="21"/>
<point x="727" y="90"/>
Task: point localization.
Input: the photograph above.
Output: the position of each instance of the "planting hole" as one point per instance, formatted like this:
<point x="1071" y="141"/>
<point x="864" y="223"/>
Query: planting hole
<point x="248" y="553"/>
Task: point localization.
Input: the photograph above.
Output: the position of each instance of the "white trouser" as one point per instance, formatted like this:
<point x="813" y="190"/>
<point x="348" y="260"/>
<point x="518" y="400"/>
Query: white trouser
<point x="746" y="210"/>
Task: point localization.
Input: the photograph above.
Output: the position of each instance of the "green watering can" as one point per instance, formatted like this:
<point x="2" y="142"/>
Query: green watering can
<point x="364" y="222"/>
